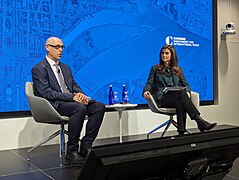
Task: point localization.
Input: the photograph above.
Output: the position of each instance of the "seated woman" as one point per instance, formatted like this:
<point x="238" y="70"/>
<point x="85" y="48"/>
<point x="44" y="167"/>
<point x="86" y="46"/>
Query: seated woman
<point x="168" y="74"/>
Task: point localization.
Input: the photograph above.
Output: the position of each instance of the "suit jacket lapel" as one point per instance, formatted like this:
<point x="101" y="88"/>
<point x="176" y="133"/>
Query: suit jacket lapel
<point x="51" y="75"/>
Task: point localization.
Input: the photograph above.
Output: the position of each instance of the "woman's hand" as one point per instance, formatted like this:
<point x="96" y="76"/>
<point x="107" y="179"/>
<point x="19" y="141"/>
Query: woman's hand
<point x="147" y="94"/>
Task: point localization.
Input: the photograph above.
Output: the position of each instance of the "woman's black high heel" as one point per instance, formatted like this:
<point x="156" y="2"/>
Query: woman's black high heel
<point x="204" y="125"/>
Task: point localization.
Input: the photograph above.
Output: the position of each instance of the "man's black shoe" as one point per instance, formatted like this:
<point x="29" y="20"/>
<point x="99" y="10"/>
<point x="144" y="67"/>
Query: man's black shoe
<point x="84" y="152"/>
<point x="75" y="158"/>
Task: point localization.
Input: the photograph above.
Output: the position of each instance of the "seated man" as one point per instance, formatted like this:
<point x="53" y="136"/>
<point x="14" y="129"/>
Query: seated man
<point x="53" y="81"/>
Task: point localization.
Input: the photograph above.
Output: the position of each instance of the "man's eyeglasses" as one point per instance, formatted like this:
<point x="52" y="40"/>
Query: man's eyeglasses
<point x="57" y="46"/>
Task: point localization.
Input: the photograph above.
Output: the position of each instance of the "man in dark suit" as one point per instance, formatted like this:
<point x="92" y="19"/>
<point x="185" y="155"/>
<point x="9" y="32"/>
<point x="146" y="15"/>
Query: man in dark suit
<point x="53" y="81"/>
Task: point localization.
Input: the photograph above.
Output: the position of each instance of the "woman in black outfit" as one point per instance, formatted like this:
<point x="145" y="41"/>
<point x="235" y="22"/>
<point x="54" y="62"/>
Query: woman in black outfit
<point x="168" y="74"/>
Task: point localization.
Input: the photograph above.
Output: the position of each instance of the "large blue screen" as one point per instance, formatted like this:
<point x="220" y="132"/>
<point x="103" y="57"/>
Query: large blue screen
<point x="107" y="42"/>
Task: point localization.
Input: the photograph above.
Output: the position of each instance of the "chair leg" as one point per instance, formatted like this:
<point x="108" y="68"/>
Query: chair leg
<point x="158" y="127"/>
<point x="168" y="123"/>
<point x="42" y="142"/>
<point x="166" y="128"/>
<point x="62" y="142"/>
<point x="188" y="132"/>
<point x="176" y="126"/>
<point x="60" y="132"/>
<point x="171" y="121"/>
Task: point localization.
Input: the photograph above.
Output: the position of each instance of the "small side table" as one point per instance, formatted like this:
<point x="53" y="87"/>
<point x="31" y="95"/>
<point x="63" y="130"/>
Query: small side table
<point x="120" y="108"/>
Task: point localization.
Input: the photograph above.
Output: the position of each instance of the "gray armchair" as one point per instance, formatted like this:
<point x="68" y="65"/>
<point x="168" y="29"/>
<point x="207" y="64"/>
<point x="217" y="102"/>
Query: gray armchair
<point x="43" y="112"/>
<point x="171" y="112"/>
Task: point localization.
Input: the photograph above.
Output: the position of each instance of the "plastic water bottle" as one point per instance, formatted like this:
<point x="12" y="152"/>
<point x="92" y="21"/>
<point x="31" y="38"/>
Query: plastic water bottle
<point x="125" y="97"/>
<point x="111" y="96"/>
<point x="116" y="99"/>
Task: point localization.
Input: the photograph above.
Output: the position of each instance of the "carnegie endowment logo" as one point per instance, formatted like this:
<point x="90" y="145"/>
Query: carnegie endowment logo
<point x="180" y="41"/>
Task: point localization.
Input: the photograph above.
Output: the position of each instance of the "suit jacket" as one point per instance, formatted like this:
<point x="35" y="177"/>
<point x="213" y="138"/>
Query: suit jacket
<point x="46" y="85"/>
<point x="157" y="82"/>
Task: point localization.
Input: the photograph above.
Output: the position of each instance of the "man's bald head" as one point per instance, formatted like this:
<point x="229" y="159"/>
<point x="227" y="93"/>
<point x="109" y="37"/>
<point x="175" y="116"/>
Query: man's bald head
<point x="54" y="48"/>
<point x="52" y="40"/>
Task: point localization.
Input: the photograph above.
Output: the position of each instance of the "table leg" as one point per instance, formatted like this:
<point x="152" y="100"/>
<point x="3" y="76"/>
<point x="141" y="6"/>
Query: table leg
<point x="120" y="111"/>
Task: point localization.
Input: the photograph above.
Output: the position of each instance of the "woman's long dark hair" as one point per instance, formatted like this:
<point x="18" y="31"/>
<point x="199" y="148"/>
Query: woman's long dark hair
<point x="173" y="63"/>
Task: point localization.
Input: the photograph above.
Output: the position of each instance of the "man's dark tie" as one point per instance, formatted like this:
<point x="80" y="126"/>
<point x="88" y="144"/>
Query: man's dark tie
<point x="61" y="79"/>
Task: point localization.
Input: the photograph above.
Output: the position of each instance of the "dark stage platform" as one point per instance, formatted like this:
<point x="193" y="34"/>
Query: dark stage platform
<point x="208" y="155"/>
<point x="134" y="156"/>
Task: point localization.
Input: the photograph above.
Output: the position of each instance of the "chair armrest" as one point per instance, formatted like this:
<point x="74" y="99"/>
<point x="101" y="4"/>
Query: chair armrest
<point x="152" y="104"/>
<point x="195" y="99"/>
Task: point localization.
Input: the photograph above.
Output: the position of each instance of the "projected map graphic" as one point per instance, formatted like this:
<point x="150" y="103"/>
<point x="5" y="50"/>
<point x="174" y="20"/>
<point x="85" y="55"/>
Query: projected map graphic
<point x="107" y="42"/>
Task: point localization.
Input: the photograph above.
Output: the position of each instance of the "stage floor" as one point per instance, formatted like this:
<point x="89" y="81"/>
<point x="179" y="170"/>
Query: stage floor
<point x="45" y="160"/>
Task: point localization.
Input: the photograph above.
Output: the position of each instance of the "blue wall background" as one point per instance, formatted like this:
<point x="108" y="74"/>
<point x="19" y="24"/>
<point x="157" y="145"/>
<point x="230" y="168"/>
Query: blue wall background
<point x="107" y="42"/>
